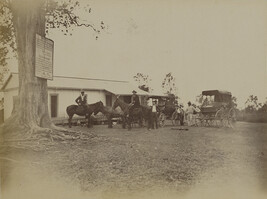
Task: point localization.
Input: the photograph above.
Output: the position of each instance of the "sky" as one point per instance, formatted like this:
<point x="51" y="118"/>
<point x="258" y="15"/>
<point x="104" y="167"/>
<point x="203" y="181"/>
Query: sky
<point x="206" y="44"/>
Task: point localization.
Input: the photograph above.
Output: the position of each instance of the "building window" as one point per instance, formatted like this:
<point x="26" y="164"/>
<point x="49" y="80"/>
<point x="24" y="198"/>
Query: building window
<point x="54" y="105"/>
<point x="108" y="100"/>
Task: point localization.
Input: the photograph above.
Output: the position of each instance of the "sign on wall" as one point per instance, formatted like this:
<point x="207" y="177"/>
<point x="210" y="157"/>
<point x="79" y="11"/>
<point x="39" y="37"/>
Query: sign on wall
<point x="44" y="52"/>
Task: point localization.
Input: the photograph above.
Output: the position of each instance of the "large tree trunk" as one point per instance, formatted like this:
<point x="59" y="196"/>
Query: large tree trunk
<point x="29" y="20"/>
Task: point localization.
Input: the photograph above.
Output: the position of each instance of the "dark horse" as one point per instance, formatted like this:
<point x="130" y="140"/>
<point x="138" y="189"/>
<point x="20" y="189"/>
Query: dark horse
<point x="81" y="111"/>
<point x="110" y="113"/>
<point x="137" y="113"/>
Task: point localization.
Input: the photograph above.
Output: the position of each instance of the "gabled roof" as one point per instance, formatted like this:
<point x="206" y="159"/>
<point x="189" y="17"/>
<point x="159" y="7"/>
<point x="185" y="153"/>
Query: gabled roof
<point x="77" y="83"/>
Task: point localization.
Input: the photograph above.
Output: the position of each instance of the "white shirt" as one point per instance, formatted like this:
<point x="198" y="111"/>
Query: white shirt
<point x="154" y="109"/>
<point x="190" y="110"/>
<point x="149" y="102"/>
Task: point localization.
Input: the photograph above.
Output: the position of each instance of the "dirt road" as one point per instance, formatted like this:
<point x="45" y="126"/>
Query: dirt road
<point x="163" y="163"/>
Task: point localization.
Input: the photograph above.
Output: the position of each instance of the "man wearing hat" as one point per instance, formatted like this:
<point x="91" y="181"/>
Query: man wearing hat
<point x="190" y="111"/>
<point x="135" y="102"/>
<point x="82" y="99"/>
<point x="154" y="114"/>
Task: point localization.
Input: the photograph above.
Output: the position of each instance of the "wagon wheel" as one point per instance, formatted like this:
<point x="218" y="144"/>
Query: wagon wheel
<point x="218" y="119"/>
<point x="161" y="119"/>
<point x="199" y="121"/>
<point x="231" y="117"/>
<point x="174" y="119"/>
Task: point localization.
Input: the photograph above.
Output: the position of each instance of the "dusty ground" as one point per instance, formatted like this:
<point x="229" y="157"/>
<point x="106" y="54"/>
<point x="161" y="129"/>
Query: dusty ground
<point x="163" y="163"/>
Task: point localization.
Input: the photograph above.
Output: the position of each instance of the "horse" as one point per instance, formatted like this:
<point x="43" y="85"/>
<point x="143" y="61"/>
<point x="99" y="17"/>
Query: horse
<point x="137" y="113"/>
<point x="110" y="113"/>
<point x="79" y="110"/>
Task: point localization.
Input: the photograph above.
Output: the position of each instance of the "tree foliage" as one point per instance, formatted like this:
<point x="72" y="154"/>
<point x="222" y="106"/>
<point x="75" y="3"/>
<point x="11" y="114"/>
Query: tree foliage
<point x="143" y="82"/>
<point x="251" y="105"/>
<point x="169" y="84"/>
<point x="62" y="14"/>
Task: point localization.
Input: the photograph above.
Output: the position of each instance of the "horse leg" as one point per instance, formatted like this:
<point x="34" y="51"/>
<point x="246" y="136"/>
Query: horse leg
<point x="123" y="122"/>
<point x="87" y="116"/>
<point x="141" y="121"/>
<point x="69" y="120"/>
<point x="109" y="121"/>
<point x="129" y="122"/>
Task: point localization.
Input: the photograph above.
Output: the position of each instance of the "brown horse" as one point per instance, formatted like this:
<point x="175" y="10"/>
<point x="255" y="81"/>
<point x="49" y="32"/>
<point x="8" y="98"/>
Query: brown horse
<point x="129" y="117"/>
<point x="84" y="111"/>
<point x="110" y="113"/>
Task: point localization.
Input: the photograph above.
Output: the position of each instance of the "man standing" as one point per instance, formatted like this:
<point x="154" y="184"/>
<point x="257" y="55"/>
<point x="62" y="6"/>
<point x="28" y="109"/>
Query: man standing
<point x="190" y="111"/>
<point x="154" y="116"/>
<point x="82" y="100"/>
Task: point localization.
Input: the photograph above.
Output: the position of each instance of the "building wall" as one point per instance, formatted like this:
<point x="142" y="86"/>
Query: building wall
<point x="68" y="97"/>
<point x="65" y="98"/>
<point x="8" y="102"/>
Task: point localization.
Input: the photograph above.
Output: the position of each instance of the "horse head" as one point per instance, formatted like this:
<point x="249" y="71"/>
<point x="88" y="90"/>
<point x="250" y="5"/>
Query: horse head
<point x="116" y="103"/>
<point x="99" y="107"/>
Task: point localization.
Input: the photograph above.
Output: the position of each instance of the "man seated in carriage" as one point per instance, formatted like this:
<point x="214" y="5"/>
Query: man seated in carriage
<point x="82" y="100"/>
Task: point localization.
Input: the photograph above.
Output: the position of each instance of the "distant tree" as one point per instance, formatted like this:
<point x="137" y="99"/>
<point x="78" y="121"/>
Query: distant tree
<point x="143" y="82"/>
<point x="199" y="99"/>
<point x="251" y="105"/>
<point x="169" y="84"/>
<point x="20" y="21"/>
<point x="233" y="101"/>
<point x="263" y="107"/>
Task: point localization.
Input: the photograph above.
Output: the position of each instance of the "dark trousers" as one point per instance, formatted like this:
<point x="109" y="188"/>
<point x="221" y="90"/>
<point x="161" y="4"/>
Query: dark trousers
<point x="154" y="120"/>
<point x="149" y="119"/>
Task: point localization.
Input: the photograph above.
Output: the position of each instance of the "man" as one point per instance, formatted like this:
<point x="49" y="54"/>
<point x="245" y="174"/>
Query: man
<point x="194" y="116"/>
<point x="190" y="111"/>
<point x="82" y="100"/>
<point x="135" y="102"/>
<point x="154" y="115"/>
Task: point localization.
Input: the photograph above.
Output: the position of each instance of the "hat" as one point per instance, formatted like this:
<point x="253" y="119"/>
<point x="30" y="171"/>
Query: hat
<point x="189" y="103"/>
<point x="82" y="91"/>
<point x="134" y="91"/>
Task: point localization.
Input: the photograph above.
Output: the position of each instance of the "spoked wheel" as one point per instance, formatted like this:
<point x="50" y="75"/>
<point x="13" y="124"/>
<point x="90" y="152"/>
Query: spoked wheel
<point x="218" y="119"/>
<point x="231" y="118"/>
<point x="161" y="120"/>
<point x="199" y="120"/>
<point x="175" y="119"/>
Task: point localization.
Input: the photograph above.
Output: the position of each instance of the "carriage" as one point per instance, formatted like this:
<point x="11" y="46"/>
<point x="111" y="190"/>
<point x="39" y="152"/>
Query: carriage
<point x="170" y="110"/>
<point x="217" y="109"/>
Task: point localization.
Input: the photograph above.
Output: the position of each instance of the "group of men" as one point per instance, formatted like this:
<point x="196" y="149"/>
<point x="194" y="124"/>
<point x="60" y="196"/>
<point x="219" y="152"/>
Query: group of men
<point x="153" y="114"/>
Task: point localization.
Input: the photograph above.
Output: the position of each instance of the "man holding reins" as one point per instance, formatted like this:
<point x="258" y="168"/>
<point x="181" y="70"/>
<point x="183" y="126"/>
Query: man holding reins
<point x="135" y="102"/>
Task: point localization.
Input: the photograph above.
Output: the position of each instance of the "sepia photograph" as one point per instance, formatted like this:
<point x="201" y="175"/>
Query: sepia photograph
<point x="133" y="99"/>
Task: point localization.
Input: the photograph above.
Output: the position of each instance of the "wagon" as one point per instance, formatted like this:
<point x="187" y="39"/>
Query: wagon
<point x="169" y="110"/>
<point x="217" y="109"/>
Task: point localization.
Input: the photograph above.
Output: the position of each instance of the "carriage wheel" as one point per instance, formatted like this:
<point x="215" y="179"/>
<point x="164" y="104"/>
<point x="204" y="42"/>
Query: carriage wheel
<point x="161" y="119"/>
<point x="231" y="117"/>
<point x="200" y="120"/>
<point x="218" y="119"/>
<point x="174" y="118"/>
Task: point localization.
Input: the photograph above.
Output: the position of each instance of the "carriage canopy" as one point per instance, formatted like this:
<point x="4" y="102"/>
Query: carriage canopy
<point x="219" y="96"/>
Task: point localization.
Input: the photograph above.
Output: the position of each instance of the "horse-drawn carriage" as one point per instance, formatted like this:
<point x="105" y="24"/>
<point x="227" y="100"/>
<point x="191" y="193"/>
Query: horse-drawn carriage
<point x="170" y="110"/>
<point x="217" y="109"/>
